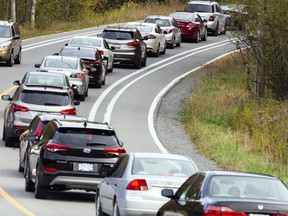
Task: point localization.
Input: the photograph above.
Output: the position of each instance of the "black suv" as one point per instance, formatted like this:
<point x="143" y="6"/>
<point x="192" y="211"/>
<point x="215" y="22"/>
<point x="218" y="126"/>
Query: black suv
<point x="127" y="45"/>
<point x="71" y="155"/>
<point x="10" y="43"/>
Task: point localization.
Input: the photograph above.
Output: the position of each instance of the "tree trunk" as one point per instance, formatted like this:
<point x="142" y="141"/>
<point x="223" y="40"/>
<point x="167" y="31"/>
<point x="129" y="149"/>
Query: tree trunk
<point x="13" y="10"/>
<point x="33" y="11"/>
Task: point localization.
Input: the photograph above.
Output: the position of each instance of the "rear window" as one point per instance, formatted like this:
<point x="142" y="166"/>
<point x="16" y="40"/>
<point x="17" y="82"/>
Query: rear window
<point x="5" y="32"/>
<point x="117" y="35"/>
<point x="61" y="63"/>
<point x="85" y="42"/>
<point x="143" y="28"/>
<point x="82" y="53"/>
<point x="180" y="16"/>
<point x="160" y="22"/>
<point x="45" y="98"/>
<point x="198" y="8"/>
<point x="45" y="80"/>
<point x="87" y="137"/>
<point x="162" y="167"/>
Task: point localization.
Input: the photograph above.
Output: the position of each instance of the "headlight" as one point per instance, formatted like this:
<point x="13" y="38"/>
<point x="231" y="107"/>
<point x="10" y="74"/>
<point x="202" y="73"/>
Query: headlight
<point x="5" y="45"/>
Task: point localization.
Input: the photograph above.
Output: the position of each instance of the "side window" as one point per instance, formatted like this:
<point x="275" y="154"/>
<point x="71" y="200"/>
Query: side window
<point x="106" y="45"/>
<point x="186" y="185"/>
<point x="97" y="55"/>
<point x="193" y="192"/>
<point x="174" y="23"/>
<point x="13" y="31"/>
<point x="119" y="168"/>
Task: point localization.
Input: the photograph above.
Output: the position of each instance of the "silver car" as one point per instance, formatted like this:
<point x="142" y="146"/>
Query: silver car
<point x="28" y="101"/>
<point x="73" y="67"/>
<point x="170" y="27"/>
<point x="156" y="41"/>
<point x="98" y="42"/>
<point x="136" y="180"/>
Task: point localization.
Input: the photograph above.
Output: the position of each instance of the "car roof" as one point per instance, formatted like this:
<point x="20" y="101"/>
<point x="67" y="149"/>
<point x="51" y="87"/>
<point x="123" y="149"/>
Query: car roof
<point x="159" y="16"/>
<point x="238" y="173"/>
<point x="120" y="28"/>
<point x="76" y="58"/>
<point x="80" y="48"/>
<point x="142" y="23"/>
<point x="158" y="155"/>
<point x="6" y="22"/>
<point x="54" y="89"/>
<point x="202" y="2"/>
<point x="45" y="73"/>
<point x="84" y="124"/>
<point x="49" y="117"/>
<point x="89" y="37"/>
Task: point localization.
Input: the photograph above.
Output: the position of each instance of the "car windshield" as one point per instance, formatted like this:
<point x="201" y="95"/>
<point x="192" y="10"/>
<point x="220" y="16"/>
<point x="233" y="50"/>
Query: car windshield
<point x="117" y="35"/>
<point x="160" y="22"/>
<point x="47" y="79"/>
<point x="162" y="167"/>
<point x="248" y="188"/>
<point x="142" y="28"/>
<point x="198" y="8"/>
<point x="5" y="32"/>
<point x="85" y="42"/>
<point x="61" y="63"/>
<point x="182" y="16"/>
<point x="87" y="137"/>
<point x="78" y="52"/>
<point x="45" y="98"/>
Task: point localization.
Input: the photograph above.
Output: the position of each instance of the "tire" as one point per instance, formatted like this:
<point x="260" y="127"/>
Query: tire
<point x="144" y="62"/>
<point x="9" y="62"/>
<point x="81" y="97"/>
<point x="86" y="93"/>
<point x="197" y="39"/>
<point x="158" y="51"/>
<point x="116" y="209"/>
<point x="137" y="64"/>
<point x="40" y="191"/>
<point x="18" y="59"/>
<point x="98" y="207"/>
<point x="179" y="43"/>
<point x="216" y="31"/>
<point x="29" y="184"/>
<point x="110" y="70"/>
<point x="4" y="133"/>
<point x="172" y="45"/>
<point x="20" y="167"/>
<point x="9" y="142"/>
<point x="164" y="51"/>
<point x="205" y="36"/>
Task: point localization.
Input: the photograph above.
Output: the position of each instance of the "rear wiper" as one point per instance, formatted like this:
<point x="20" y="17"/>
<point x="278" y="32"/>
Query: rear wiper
<point x="95" y="144"/>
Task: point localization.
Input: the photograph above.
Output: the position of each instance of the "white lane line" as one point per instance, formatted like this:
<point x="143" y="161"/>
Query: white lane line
<point x="162" y="93"/>
<point x="98" y="102"/>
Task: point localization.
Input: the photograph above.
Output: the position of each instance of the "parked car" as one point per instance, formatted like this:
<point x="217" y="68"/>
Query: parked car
<point x="136" y="180"/>
<point x="98" y="42"/>
<point x="10" y="43"/>
<point x="156" y="41"/>
<point x="71" y="155"/>
<point x="93" y="59"/>
<point x="210" y="11"/>
<point x="227" y="193"/>
<point x="127" y="45"/>
<point x="73" y="67"/>
<point x="37" y="78"/>
<point x="170" y="28"/>
<point x="36" y="126"/>
<point x="28" y="101"/>
<point x="193" y="26"/>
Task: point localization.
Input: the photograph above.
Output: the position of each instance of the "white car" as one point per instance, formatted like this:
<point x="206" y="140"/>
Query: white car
<point x="156" y="42"/>
<point x="73" y="67"/>
<point x="98" y="42"/>
<point x="136" y="180"/>
<point x="170" y="28"/>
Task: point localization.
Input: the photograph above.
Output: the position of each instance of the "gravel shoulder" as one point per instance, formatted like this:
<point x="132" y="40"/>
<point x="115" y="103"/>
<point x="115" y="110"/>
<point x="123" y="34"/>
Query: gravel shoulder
<point x="168" y="123"/>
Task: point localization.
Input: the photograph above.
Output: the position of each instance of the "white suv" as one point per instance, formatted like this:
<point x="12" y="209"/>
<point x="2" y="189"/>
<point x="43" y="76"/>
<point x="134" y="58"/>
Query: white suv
<point x="210" y="11"/>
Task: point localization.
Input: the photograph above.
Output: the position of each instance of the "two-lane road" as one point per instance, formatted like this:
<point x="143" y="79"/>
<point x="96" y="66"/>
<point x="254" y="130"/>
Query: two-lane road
<point x="125" y="101"/>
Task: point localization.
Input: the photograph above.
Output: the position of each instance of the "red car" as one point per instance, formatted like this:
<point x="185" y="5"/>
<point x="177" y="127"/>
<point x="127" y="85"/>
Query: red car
<point x="193" y="26"/>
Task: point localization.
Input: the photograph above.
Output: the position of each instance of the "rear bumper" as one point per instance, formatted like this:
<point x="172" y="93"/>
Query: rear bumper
<point x="126" y="57"/>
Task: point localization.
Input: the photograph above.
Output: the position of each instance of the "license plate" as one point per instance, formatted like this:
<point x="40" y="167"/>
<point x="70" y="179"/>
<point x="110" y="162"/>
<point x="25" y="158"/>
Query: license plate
<point x="85" y="167"/>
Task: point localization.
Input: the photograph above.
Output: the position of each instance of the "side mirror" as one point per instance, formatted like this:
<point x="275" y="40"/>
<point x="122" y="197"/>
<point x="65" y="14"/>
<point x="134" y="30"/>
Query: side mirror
<point x="16" y="82"/>
<point x="37" y="65"/>
<point x="74" y="87"/>
<point x="6" y="98"/>
<point x="146" y="37"/>
<point x="76" y="102"/>
<point x="167" y="193"/>
<point x="99" y="35"/>
<point x="205" y="20"/>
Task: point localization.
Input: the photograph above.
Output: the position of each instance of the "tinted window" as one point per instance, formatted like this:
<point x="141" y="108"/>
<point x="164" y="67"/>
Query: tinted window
<point x="117" y="35"/>
<point x="143" y="28"/>
<point x="162" y="166"/>
<point x="5" y="32"/>
<point x="46" y="79"/>
<point x="85" y="53"/>
<point x="198" y="8"/>
<point x="158" y="21"/>
<point x="45" y="98"/>
<point x="87" y="137"/>
<point x="61" y="63"/>
<point x="86" y="42"/>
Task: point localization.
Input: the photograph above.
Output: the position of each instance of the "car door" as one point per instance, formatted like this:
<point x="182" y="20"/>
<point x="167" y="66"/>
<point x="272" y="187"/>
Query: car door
<point x="202" y="28"/>
<point x="109" y="184"/>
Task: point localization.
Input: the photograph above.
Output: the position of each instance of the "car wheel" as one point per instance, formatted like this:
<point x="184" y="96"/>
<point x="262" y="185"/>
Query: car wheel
<point x="99" y="211"/>
<point x="144" y="62"/>
<point x="137" y="64"/>
<point x="4" y="133"/>
<point x="9" y="62"/>
<point x="179" y="43"/>
<point x="172" y="45"/>
<point x="164" y="51"/>
<point x="18" y="59"/>
<point x="40" y="191"/>
<point x="9" y="141"/>
<point x="81" y="97"/>
<point x="111" y="69"/>
<point x="20" y="167"/>
<point x="158" y="51"/>
<point x="29" y="184"/>
<point x="116" y="209"/>
<point x="204" y="38"/>
<point x="86" y="93"/>
<point x="216" y="31"/>
<point x="197" y="39"/>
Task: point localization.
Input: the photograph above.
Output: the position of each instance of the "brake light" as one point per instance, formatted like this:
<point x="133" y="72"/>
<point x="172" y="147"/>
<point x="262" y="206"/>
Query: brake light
<point x="17" y="127"/>
<point x="169" y="31"/>
<point x="221" y="211"/>
<point x="76" y="75"/>
<point x="115" y="150"/>
<point x="54" y="147"/>
<point x="96" y="62"/>
<point x="16" y="108"/>
<point x="151" y="36"/>
<point x="50" y="169"/>
<point x="211" y="18"/>
<point x="133" y="43"/>
<point x="101" y="52"/>
<point x="68" y="111"/>
<point x="137" y="184"/>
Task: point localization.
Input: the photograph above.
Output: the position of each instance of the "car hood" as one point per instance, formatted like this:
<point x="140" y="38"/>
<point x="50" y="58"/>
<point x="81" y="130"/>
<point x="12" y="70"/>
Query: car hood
<point x="2" y="40"/>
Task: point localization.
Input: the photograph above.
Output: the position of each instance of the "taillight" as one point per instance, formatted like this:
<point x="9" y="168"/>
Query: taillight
<point x="169" y="31"/>
<point x="54" y="147"/>
<point x="16" y="108"/>
<point x="50" y="169"/>
<point x="133" y="43"/>
<point x="68" y="111"/>
<point x="137" y="184"/>
<point x="17" y="127"/>
<point x="151" y="36"/>
<point x="222" y="211"/>
<point x="76" y="75"/>
<point x="115" y="150"/>
<point x="101" y="52"/>
<point x="211" y="18"/>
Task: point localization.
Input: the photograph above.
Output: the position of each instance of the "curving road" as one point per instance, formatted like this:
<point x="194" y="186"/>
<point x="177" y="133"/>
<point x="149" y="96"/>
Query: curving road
<point x="127" y="101"/>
